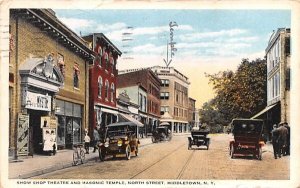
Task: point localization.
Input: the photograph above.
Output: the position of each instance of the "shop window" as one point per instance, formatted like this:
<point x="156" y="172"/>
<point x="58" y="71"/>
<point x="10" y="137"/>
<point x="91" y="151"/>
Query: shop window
<point x="100" y="85"/>
<point x="112" y="92"/>
<point x="76" y="76"/>
<point x="61" y="131"/>
<point x="76" y="130"/>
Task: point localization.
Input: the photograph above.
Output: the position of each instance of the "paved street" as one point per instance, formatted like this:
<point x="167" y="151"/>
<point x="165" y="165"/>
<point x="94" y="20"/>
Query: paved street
<point x="172" y="160"/>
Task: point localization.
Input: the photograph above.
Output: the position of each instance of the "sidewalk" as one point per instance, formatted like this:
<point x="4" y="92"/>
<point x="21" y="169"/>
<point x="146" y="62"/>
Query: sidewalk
<point x="41" y="164"/>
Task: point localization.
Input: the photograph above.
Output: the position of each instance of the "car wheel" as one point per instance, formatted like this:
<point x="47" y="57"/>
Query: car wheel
<point x="259" y="153"/>
<point x="101" y="154"/>
<point x="75" y="158"/>
<point x="82" y="156"/>
<point x="136" y="151"/>
<point x="232" y="151"/>
<point x="153" y="139"/>
<point x="128" y="152"/>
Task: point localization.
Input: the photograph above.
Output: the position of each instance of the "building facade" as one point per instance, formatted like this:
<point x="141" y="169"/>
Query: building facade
<point x="192" y="113"/>
<point x="278" y="78"/>
<point x="174" y="97"/>
<point x="48" y="81"/>
<point x="102" y="81"/>
<point x="143" y="88"/>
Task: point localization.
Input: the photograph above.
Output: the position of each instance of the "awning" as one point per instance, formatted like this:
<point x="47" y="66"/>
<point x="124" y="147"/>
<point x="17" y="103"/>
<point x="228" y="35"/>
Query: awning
<point x="109" y="111"/>
<point x="263" y="111"/>
<point x="129" y="118"/>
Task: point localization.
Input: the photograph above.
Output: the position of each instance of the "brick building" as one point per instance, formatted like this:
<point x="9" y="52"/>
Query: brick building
<point x="102" y="81"/>
<point x="278" y="78"/>
<point x="48" y="81"/>
<point x="143" y="87"/>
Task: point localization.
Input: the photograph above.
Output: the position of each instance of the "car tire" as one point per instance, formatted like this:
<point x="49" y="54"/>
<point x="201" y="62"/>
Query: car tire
<point x="259" y="156"/>
<point x="232" y="151"/>
<point x="101" y="154"/>
<point x="153" y="139"/>
<point x="75" y="158"/>
<point x="128" y="152"/>
<point x="82" y="156"/>
<point x="136" y="151"/>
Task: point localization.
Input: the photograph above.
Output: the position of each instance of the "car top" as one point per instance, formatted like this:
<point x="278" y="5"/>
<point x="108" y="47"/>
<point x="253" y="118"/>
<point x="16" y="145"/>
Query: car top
<point x="253" y="126"/>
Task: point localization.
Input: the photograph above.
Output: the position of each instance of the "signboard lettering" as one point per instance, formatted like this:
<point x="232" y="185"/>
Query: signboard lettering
<point x="37" y="101"/>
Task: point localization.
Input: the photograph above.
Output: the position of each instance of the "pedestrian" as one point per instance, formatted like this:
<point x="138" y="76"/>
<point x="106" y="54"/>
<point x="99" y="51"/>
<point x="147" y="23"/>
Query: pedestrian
<point x="287" y="148"/>
<point x="282" y="139"/>
<point x="87" y="141"/>
<point x="275" y="135"/>
<point x="95" y="139"/>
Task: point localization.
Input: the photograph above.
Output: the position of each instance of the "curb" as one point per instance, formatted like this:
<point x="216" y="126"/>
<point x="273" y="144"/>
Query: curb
<point x="56" y="167"/>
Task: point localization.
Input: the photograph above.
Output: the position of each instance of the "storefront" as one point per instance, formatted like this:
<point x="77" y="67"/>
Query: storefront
<point x="69" y="126"/>
<point x="39" y="83"/>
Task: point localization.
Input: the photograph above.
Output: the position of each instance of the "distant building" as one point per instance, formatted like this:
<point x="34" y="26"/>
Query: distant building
<point x="278" y="78"/>
<point x="192" y="114"/>
<point x="142" y="86"/>
<point x="102" y="81"/>
<point x="173" y="96"/>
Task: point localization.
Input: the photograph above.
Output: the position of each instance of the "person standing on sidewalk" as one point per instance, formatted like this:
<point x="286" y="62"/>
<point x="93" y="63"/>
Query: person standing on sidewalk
<point x="275" y="136"/>
<point x="287" y="148"/>
<point x="87" y="141"/>
<point x="283" y="133"/>
<point x="96" y="139"/>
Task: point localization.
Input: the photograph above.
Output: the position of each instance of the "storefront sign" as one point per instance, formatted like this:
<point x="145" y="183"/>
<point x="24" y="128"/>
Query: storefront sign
<point x="23" y="134"/>
<point x="37" y="101"/>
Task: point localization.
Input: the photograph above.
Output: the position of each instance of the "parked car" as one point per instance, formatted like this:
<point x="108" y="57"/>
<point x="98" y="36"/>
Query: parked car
<point x="120" y="138"/>
<point x="199" y="138"/>
<point x="247" y="138"/>
<point x="161" y="133"/>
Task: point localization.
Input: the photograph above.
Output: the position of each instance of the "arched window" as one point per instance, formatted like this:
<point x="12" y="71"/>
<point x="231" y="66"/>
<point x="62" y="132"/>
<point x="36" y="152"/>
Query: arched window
<point x="106" y="89"/>
<point x="99" y="54"/>
<point x="112" y="63"/>
<point x="100" y="85"/>
<point x="105" y="57"/>
<point x="112" y="92"/>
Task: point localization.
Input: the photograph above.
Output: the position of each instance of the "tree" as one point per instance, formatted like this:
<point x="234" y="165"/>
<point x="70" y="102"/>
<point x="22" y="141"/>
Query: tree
<point x="241" y="93"/>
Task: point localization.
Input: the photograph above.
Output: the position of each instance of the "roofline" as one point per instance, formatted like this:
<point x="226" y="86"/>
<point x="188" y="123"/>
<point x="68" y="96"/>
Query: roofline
<point x="106" y="40"/>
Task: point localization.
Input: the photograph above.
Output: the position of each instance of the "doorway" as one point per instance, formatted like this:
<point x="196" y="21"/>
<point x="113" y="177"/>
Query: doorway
<point x="35" y="131"/>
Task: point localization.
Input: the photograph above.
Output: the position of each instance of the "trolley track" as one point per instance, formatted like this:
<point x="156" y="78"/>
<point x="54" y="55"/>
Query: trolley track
<point x="165" y="157"/>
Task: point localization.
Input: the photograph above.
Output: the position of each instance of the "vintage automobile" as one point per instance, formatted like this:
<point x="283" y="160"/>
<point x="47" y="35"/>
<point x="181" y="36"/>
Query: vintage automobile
<point x="199" y="138"/>
<point x="247" y="138"/>
<point x="119" y="138"/>
<point x="161" y="133"/>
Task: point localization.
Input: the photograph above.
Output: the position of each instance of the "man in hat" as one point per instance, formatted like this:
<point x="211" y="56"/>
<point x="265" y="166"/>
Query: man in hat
<point x="282" y="138"/>
<point x="275" y="135"/>
<point x="287" y="148"/>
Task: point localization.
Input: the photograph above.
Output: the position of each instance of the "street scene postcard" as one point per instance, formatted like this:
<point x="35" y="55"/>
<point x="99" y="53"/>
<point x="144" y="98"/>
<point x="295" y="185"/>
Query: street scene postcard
<point x="149" y="94"/>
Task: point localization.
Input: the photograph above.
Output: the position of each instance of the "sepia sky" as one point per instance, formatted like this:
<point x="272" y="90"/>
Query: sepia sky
<point x="206" y="40"/>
